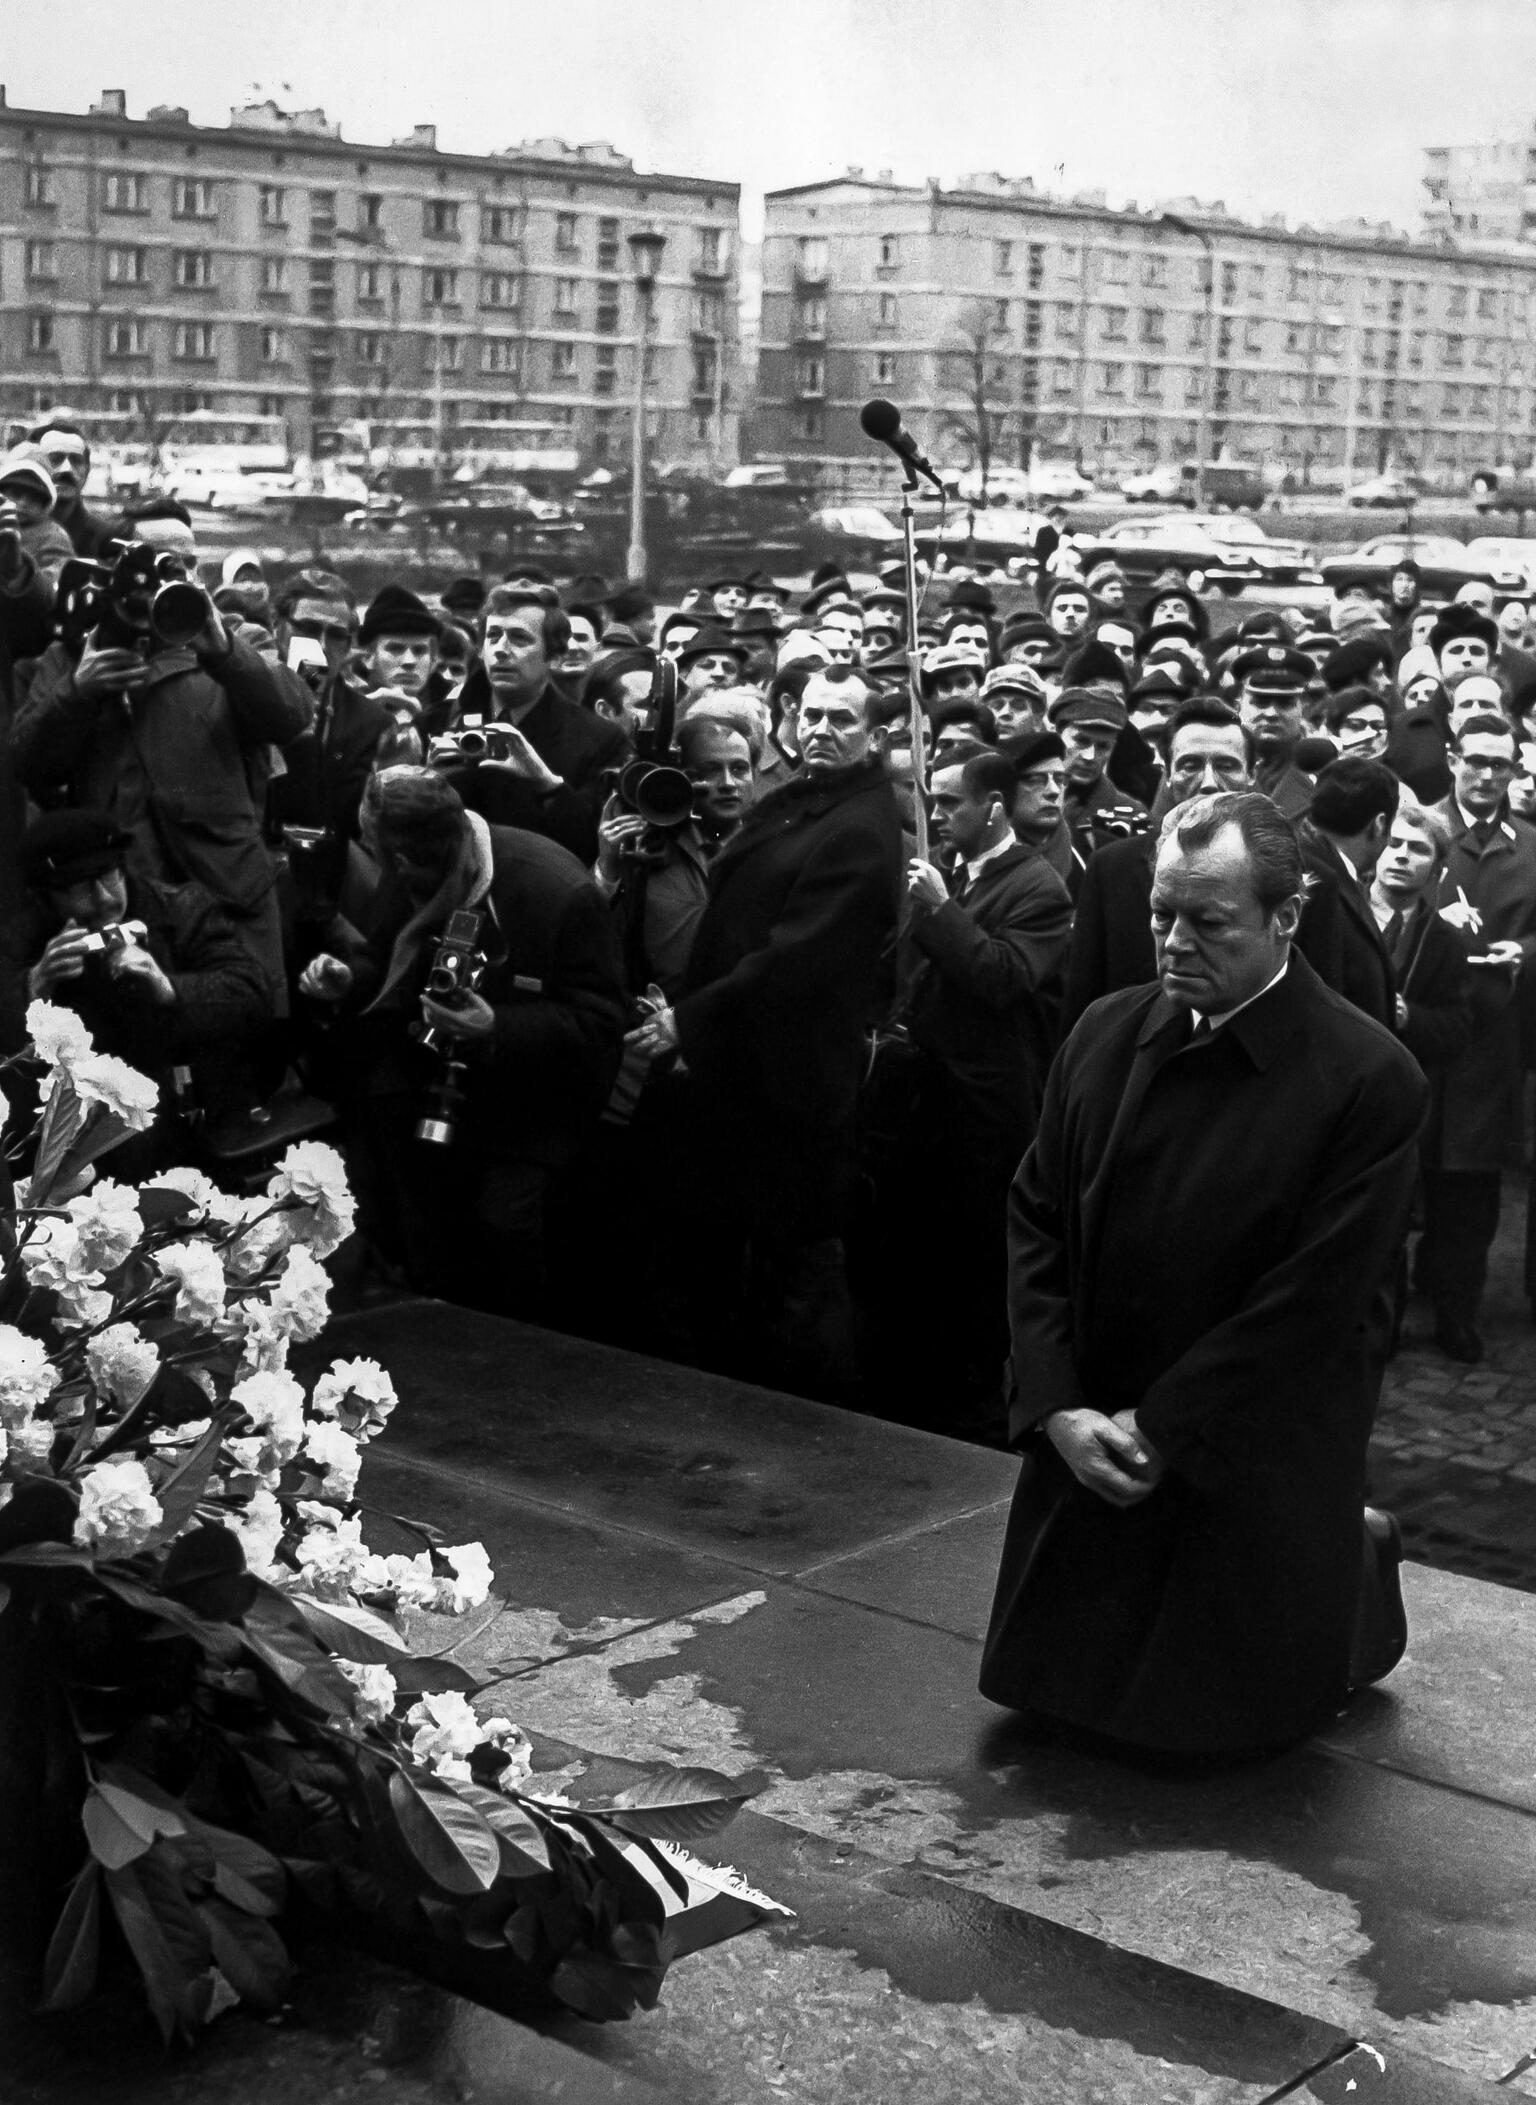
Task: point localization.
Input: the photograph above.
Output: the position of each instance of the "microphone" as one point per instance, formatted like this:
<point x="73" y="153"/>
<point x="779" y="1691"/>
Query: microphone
<point x="881" y="421"/>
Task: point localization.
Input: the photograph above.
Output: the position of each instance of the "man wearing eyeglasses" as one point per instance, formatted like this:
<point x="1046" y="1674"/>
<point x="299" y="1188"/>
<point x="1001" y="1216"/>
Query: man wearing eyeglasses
<point x="67" y="458"/>
<point x="1488" y="892"/>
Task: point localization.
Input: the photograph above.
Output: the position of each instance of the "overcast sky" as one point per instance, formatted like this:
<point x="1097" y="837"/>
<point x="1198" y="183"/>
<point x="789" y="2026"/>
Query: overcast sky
<point x="1317" y="108"/>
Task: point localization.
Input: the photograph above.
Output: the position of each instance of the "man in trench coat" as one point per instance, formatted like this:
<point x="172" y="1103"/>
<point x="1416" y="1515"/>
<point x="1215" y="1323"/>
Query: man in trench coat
<point x="1201" y="1239"/>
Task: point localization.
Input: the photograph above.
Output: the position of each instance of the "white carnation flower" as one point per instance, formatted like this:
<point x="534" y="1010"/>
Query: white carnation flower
<point x="58" y="1035"/>
<point x="376" y="1690"/>
<point x="108" y="1222"/>
<point x="514" y="1743"/>
<point x="337" y="1453"/>
<point x="413" y="1580"/>
<point x="446" y="1729"/>
<point x="257" y="1248"/>
<point x="201" y="1190"/>
<point x="263" y="1334"/>
<point x="122" y="1363"/>
<point x="418" y="1585"/>
<point x="314" y="1174"/>
<point x="274" y="1403"/>
<point x="357" y="1393"/>
<point x="118" y="1508"/>
<point x="82" y="1306"/>
<point x="260" y="1528"/>
<point x="335" y="1561"/>
<point x="182" y="1435"/>
<point x="53" y="1255"/>
<point x="472" y="1577"/>
<point x="26" y="1378"/>
<point x="31" y="1441"/>
<point x="101" y="1078"/>
<point x="302" y="1294"/>
<point x="199" y="1278"/>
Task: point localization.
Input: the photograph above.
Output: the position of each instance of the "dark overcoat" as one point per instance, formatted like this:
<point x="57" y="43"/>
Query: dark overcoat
<point x="1203" y="1233"/>
<point x="1480" y="1127"/>
<point x="1338" y="935"/>
<point x="584" y="749"/>
<point x="792" y="962"/>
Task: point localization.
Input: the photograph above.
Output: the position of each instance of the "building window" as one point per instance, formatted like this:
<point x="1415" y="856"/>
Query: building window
<point x="500" y="288"/>
<point x="1325" y="390"/>
<point x="1194" y="386"/>
<point x="194" y="268"/>
<point x="274" y="273"/>
<point x="1482" y="350"/>
<point x="1253" y="338"/>
<point x="272" y="204"/>
<point x="1480" y="403"/>
<point x="42" y="261"/>
<point x="370" y="284"/>
<point x="370" y="212"/>
<point x="886" y="315"/>
<point x="1228" y="284"/>
<point x="1153" y="326"/>
<point x="1456" y="303"/>
<point x="565" y="233"/>
<point x="1066" y="320"/>
<point x="1330" y="289"/>
<point x="1032" y="322"/>
<point x="811" y="316"/>
<point x="1002" y="258"/>
<point x="890" y="252"/>
<point x="499" y="225"/>
<point x="1149" y="380"/>
<point x="123" y="192"/>
<point x="607" y="244"/>
<point x="125" y="402"/>
<point x="810" y="376"/>
<point x="274" y="346"/>
<point x="810" y="424"/>
<point x="562" y="361"/>
<point x="608" y="308"/>
<point x="1296" y="339"/>
<point x="39" y="333"/>
<point x="1330" y="340"/>
<point x="1255" y="281"/>
<point x="1000" y="316"/>
<point x="40" y="185"/>
<point x="1061" y="377"/>
<point x="1115" y="319"/>
<point x="192" y="198"/>
<point x="322" y="285"/>
<point x="322" y="214"/>
<point x="704" y="369"/>
<point x="708" y="313"/>
<point x="194" y="341"/>
<point x="1114" y="379"/>
<point x="1416" y="343"/>
<point x="440" y="218"/>
<point x="447" y="354"/>
<point x="1036" y="265"/>
<point x="1154" y="268"/>
<point x="1298" y="282"/>
<point x="567" y="299"/>
<point x="606" y="378"/>
<point x="709" y="249"/>
<point x="1117" y="267"/>
<point x="1450" y="402"/>
<point x="811" y="259"/>
<point x="500" y="354"/>
<point x="1455" y="350"/>
<point x="127" y="266"/>
<point x="885" y="368"/>
<point x="440" y="288"/>
<point x="124" y="339"/>
<point x="370" y="349"/>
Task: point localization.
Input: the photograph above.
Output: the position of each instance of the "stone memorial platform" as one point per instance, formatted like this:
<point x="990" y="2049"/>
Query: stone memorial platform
<point x="703" y="1572"/>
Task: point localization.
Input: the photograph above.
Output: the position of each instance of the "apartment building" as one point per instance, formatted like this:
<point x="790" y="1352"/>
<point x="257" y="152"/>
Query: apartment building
<point x="274" y="278"/>
<point x="1130" y="337"/>
<point x="1482" y="193"/>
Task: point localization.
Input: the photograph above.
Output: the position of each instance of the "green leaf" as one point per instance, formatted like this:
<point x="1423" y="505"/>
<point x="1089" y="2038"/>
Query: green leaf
<point x="166" y="1983"/>
<point x="677" y="1805"/>
<point x="69" y="1971"/>
<point x="594" y="1986"/>
<point x="453" y="1843"/>
<point x="158" y="1208"/>
<point x="40" y="1509"/>
<point x="249" y="1953"/>
<point x="62" y="1121"/>
<point x="184" y="1487"/>
<point x="120" y="1824"/>
<point x="206" y="1571"/>
<point x="366" y="1639"/>
<point x="524" y="1852"/>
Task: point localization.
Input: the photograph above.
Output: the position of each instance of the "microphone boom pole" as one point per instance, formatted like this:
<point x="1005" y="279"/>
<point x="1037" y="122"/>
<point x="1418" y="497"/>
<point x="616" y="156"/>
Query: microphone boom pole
<point x="881" y="421"/>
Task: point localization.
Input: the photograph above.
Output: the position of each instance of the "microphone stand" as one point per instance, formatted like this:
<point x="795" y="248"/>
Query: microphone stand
<point x="919" y="722"/>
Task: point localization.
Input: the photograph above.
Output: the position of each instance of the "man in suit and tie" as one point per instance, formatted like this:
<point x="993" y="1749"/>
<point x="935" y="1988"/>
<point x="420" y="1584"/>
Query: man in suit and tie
<point x="985" y="951"/>
<point x="1200" y="1244"/>
<point x="1342" y="838"/>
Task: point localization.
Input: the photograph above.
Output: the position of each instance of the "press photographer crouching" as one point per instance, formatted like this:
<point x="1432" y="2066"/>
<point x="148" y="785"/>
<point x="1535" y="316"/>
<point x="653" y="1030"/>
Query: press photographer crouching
<point x="480" y="1005"/>
<point x="157" y="973"/>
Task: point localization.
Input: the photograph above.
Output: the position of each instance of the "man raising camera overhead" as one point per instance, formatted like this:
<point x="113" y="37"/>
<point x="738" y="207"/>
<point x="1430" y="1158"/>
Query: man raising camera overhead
<point x="172" y="739"/>
<point x="531" y="1019"/>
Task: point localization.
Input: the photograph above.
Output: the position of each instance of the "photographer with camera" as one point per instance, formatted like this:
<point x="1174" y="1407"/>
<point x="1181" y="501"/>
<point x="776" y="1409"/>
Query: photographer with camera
<point x="161" y="717"/>
<point x="481" y="1009"/>
<point x="519" y="753"/>
<point x="156" y="971"/>
<point x="399" y="662"/>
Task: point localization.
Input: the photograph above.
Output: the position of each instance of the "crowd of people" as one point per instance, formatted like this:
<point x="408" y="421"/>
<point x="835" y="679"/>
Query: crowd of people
<point x="656" y="987"/>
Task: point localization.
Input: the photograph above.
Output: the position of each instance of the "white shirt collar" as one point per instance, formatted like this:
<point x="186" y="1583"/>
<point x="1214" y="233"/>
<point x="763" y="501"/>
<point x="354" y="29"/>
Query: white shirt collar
<point x="974" y="868"/>
<point x="1348" y="862"/>
<point x="1214" y="1023"/>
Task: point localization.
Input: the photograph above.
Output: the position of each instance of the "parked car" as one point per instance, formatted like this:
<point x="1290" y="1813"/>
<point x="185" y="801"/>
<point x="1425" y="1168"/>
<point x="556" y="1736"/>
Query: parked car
<point x="1445" y="565"/>
<point x="1174" y="541"/>
<point x="1504" y="490"/>
<point x="1231" y="483"/>
<point x="1164" y="484"/>
<point x="1507" y="553"/>
<point x="228" y="490"/>
<point x="1389" y="492"/>
<point x="1002" y="538"/>
<point x="1282" y="562"/>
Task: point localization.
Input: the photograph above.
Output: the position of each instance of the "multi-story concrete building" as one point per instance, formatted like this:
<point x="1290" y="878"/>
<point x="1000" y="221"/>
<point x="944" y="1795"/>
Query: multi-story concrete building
<point x="275" y="277"/>
<point x="1135" y="336"/>
<point x="1482" y="193"/>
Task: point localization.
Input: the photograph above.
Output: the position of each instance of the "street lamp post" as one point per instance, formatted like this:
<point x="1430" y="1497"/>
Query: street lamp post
<point x="1207" y="377"/>
<point x="645" y="250"/>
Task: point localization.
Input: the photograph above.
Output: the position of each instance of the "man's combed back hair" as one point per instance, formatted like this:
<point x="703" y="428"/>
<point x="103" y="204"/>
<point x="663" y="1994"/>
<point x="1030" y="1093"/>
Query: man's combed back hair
<point x="1351" y="792"/>
<point x="1208" y="710"/>
<point x="552" y="622"/>
<point x="723" y="712"/>
<point x="1266" y="833"/>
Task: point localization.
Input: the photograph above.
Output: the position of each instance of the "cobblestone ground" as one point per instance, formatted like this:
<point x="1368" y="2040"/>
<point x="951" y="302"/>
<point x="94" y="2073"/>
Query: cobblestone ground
<point x="1454" y="1451"/>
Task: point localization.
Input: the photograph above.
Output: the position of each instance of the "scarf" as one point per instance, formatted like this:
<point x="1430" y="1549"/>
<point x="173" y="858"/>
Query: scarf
<point x="466" y="883"/>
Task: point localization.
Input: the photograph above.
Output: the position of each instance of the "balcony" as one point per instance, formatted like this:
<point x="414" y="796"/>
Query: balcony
<point x="810" y="271"/>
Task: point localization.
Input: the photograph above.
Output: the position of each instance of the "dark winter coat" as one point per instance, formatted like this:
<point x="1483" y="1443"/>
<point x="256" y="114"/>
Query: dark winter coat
<point x="1340" y="939"/>
<point x="790" y="966"/>
<point x="1203" y="1233"/>
<point x="1480" y="1123"/>
<point x="578" y="745"/>
<point x="982" y="998"/>
<point x="183" y="770"/>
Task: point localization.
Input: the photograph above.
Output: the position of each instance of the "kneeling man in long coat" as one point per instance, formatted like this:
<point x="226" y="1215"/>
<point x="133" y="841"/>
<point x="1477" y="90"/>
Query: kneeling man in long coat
<point x="1201" y="1238"/>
